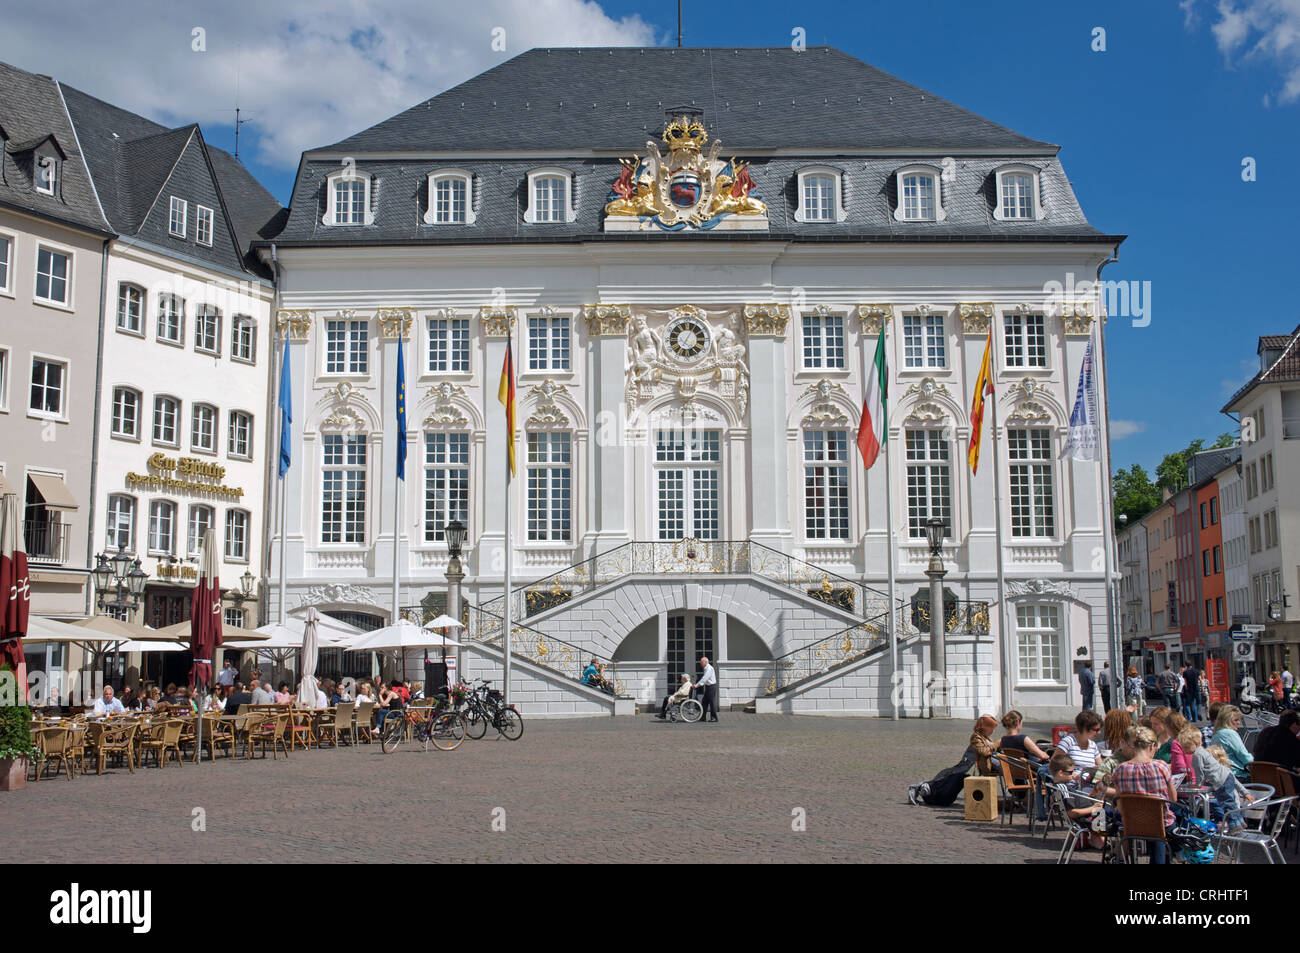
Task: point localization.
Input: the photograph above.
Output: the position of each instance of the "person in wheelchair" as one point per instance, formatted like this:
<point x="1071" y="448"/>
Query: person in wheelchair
<point x="676" y="698"/>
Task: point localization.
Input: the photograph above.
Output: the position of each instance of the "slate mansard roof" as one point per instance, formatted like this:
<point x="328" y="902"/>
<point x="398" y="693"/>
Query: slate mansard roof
<point x="581" y="109"/>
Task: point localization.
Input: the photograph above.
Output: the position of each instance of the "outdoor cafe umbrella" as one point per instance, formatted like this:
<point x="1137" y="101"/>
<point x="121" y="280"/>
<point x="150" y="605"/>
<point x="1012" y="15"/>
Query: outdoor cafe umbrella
<point x="398" y="637"/>
<point x="205" y="626"/>
<point x="15" y="590"/>
<point x="307" y="665"/>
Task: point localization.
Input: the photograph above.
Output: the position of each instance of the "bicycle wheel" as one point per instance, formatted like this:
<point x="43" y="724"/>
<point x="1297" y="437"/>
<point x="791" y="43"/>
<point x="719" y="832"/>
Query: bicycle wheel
<point x="692" y="710"/>
<point x="393" y="732"/>
<point x="510" y="723"/>
<point x="476" y="724"/>
<point x="447" y="731"/>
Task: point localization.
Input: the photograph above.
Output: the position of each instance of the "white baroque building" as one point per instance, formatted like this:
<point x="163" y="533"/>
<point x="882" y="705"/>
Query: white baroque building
<point x="692" y="327"/>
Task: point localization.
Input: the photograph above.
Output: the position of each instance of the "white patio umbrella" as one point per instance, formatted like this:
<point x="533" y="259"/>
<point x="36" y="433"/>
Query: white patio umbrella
<point x="444" y="622"/>
<point x="134" y="646"/>
<point x="307" y="686"/>
<point x="399" y="637"/>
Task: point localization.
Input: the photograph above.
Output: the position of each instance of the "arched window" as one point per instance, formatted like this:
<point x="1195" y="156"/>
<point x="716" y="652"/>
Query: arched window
<point x="451" y="198"/>
<point x="821" y="195"/>
<point x="203" y="429"/>
<point x="920" y="195"/>
<point x="348" y="198"/>
<point x="130" y="308"/>
<point x="121" y="522"/>
<point x="1018" y="194"/>
<point x="126" y="413"/>
<point x="550" y="199"/>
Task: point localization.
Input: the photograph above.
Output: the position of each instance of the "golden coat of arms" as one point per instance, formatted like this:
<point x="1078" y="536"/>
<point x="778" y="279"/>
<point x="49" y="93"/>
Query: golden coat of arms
<point x="687" y="189"/>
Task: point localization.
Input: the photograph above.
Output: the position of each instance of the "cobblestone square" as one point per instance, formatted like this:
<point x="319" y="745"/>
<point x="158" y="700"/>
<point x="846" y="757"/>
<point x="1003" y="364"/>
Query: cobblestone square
<point x="615" y="789"/>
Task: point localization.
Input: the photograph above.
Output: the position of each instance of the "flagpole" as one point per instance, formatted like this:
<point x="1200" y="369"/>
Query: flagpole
<point x="1003" y="631"/>
<point x="889" y="559"/>
<point x="1114" y="637"/>
<point x="509" y="625"/>
<point x="284" y="367"/>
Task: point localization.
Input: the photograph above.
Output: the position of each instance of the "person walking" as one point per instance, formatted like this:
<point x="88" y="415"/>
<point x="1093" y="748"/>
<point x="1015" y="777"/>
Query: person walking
<point x="708" y="685"/>
<point x="1105" y="686"/>
<point x="1191" y="693"/>
<point x="1167" y="682"/>
<point x="1087" y="684"/>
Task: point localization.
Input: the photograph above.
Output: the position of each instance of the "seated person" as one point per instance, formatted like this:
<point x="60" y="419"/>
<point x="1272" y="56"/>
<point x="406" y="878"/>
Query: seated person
<point x="683" y="692"/>
<point x="1065" y="780"/>
<point x="1013" y="721"/>
<point x="1082" y="746"/>
<point x="1279" y="743"/>
<point x="240" y="696"/>
<point x="108" y="705"/>
<point x="1145" y="775"/>
<point x="590" y="673"/>
<point x="1215" y="771"/>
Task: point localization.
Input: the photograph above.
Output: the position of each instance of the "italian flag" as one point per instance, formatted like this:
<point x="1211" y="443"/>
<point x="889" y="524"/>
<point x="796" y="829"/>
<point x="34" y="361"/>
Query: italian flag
<point x="871" y="432"/>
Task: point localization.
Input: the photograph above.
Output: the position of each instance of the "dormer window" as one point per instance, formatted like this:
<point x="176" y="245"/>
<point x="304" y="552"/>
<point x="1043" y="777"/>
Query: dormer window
<point x="1018" y="199"/>
<point x="47" y="174"/>
<point x="348" y="194"/>
<point x="550" y="199"/>
<point x="920" y="197"/>
<point x="821" y="195"/>
<point x="203" y="225"/>
<point x="451" y="198"/>
<point x="177" y="216"/>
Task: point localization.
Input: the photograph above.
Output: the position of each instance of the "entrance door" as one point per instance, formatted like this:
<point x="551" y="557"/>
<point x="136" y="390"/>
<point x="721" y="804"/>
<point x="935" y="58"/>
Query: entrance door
<point x="690" y="635"/>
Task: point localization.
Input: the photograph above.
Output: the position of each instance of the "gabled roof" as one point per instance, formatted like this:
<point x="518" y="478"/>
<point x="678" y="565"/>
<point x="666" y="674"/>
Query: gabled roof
<point x="1206" y="464"/>
<point x="32" y="112"/>
<point x="1285" y="369"/>
<point x="610" y="99"/>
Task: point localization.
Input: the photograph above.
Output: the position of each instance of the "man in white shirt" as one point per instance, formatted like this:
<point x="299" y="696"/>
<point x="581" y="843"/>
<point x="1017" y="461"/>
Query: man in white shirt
<point x="226" y="677"/>
<point x="708" y="685"/>
<point x="108" y="705"/>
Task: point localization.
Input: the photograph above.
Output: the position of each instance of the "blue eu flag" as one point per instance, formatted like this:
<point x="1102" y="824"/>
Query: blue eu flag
<point x="286" y="413"/>
<point x="401" y="414"/>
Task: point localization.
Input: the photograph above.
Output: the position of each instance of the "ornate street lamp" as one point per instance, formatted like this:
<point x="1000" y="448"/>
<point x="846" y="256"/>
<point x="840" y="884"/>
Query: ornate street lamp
<point x="455" y="534"/>
<point x="938" y="680"/>
<point x="247" y="586"/>
<point x="119" y="581"/>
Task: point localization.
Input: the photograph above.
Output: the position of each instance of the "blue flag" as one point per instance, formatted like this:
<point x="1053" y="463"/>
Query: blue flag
<point x="401" y="414"/>
<point x="1084" y="432"/>
<point x="286" y="413"/>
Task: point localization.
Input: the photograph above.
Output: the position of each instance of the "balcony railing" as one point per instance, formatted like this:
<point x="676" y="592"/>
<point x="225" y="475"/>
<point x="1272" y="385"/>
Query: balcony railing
<point x="47" y="541"/>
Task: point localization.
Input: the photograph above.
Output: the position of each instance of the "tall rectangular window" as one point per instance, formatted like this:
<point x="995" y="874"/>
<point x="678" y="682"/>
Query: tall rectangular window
<point x="548" y="342"/>
<point x="448" y="345"/>
<point x="349" y="201"/>
<point x="6" y="262"/>
<point x="237" y="535"/>
<point x="48" y="383"/>
<point x="550" y="486"/>
<point x="918" y="198"/>
<point x="203" y="428"/>
<point x="130" y="309"/>
<point x="826" y="484"/>
<point x="449" y="201"/>
<point x="823" y="341"/>
<point x="203" y="225"/>
<point x="240" y="443"/>
<point x="1017" y="195"/>
<point x="346" y="347"/>
<point x="819" y="198"/>
<point x="923" y="341"/>
<point x="200" y="523"/>
<point x="929" y="481"/>
<point x="687" y="483"/>
<point x="166" y="412"/>
<point x="446" y="482"/>
<point x="548" y="198"/>
<point x="243" y="338"/>
<point x="343" y="482"/>
<point x="1038" y="642"/>
<point x="1033" y="511"/>
<point x="1025" y="340"/>
<point x="162" y="527"/>
<point x="126" y="413"/>
<point x="52" y="269"/>
<point x="121" y="523"/>
<point x="176" y="218"/>
<point x="171" y="319"/>
<point x="207" y="329"/>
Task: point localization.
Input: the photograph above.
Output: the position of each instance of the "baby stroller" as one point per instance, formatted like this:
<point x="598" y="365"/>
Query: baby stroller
<point x="942" y="789"/>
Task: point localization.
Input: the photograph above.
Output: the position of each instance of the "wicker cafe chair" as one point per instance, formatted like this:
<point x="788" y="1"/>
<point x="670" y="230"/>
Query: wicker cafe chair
<point x="51" y="746"/>
<point x="300" y="732"/>
<point x="1267" y="834"/>
<point x="1018" y="782"/>
<point x="166" y="738"/>
<point x="338" y="724"/>
<point x="212" y="736"/>
<point x="273" y="729"/>
<point x="118" y="740"/>
<point x="362" y="719"/>
<point x="75" y="751"/>
<point x="1143" y="820"/>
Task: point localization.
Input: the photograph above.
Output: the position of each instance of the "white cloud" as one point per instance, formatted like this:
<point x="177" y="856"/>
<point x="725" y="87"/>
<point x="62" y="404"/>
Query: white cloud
<point x="1119" y="429"/>
<point x="307" y="74"/>
<point x="1259" y="31"/>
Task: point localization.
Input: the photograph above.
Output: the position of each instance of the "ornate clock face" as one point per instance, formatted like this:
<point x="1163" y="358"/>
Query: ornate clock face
<point x="688" y="338"/>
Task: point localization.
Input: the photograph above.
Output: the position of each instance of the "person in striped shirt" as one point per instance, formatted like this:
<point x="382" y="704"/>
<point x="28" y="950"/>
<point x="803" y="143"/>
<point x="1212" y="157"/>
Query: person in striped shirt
<point x="1082" y="745"/>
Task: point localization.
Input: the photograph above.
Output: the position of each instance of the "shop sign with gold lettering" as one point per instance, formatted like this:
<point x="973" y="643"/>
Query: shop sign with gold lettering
<point x="184" y="474"/>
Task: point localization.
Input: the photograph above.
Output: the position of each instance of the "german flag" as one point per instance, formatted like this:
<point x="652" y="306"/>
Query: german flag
<point x="983" y="386"/>
<point x="506" y="394"/>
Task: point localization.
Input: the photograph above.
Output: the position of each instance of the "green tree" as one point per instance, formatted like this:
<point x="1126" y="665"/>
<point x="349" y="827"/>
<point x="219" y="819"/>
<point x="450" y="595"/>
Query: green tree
<point x="1134" y="494"/>
<point x="1171" y="475"/>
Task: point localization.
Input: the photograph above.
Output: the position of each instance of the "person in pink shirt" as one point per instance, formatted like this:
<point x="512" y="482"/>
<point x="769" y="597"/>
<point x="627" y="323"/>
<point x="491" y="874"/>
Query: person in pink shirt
<point x="282" y="697"/>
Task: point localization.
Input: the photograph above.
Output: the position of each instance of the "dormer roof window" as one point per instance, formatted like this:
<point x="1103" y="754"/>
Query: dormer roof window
<point x="821" y="195"/>
<point x="348" y="200"/>
<point x="550" y="197"/>
<point x="451" y="198"/>
<point x="1018" y="198"/>
<point x="45" y="156"/>
<point x="920" y="195"/>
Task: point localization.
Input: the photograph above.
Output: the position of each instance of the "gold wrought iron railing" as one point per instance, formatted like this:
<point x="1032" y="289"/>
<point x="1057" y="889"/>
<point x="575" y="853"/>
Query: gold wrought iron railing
<point x="857" y="641"/>
<point x="540" y="648"/>
<point x="692" y="557"/>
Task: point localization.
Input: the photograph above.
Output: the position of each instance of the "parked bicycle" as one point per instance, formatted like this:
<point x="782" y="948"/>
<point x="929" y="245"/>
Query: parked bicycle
<point x="484" y="706"/>
<point x="439" y="725"/>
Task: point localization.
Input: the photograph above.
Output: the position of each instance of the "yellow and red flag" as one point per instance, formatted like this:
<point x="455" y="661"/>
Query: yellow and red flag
<point x="983" y="387"/>
<point x="506" y="394"/>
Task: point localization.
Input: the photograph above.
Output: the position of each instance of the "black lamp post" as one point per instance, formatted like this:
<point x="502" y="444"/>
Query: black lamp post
<point x="119" y="581"/>
<point x="935" y="530"/>
<point x="455" y="533"/>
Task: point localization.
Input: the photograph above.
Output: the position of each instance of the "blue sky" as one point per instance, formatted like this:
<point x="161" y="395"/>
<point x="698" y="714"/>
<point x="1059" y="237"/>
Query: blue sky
<point x="1153" y="130"/>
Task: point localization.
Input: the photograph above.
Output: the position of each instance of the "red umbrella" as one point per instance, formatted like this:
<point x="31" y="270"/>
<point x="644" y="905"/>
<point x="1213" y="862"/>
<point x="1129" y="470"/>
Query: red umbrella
<point x="205" y="615"/>
<point x="15" y="588"/>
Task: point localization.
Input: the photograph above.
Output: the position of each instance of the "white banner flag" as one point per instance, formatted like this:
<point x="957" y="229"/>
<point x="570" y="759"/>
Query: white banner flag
<point x="1084" y="432"/>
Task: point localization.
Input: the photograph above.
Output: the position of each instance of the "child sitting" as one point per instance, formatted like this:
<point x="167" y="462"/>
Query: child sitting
<point x="1077" y="807"/>
<point x="1215" y="771"/>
